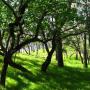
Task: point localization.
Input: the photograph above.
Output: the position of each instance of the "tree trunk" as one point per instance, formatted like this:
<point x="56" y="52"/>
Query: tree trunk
<point x="85" y="51"/>
<point x="47" y="62"/>
<point x="48" y="59"/>
<point x="8" y="61"/>
<point x="89" y="38"/>
<point x="4" y="69"/>
<point x="59" y="52"/>
<point x="80" y="56"/>
<point x="46" y="47"/>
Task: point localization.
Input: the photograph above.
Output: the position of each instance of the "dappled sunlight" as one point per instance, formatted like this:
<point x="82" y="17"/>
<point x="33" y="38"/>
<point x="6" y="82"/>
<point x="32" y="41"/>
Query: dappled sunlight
<point x="11" y="82"/>
<point x="73" y="62"/>
<point x="44" y="45"/>
<point x="72" y="76"/>
<point x="32" y="86"/>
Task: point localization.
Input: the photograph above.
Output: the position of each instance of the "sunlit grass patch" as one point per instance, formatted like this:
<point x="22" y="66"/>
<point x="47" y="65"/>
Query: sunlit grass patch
<point x="11" y="82"/>
<point x="56" y="78"/>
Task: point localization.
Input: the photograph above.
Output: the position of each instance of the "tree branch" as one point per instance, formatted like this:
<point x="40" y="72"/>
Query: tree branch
<point x="74" y="34"/>
<point x="71" y="28"/>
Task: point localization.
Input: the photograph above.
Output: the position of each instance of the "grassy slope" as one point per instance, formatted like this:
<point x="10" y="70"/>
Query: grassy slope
<point x="71" y="77"/>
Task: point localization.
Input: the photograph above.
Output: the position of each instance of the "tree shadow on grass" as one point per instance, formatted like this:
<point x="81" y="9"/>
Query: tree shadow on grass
<point x="71" y="78"/>
<point x="20" y="77"/>
<point x="25" y="61"/>
<point x="55" y="79"/>
<point x="16" y="80"/>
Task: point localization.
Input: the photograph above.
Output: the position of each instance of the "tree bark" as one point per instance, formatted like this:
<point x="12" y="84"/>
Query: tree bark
<point x="47" y="62"/>
<point x="8" y="61"/>
<point x="50" y="53"/>
<point x="85" y="51"/>
<point x="80" y="56"/>
<point x="4" y="69"/>
<point x="59" y="52"/>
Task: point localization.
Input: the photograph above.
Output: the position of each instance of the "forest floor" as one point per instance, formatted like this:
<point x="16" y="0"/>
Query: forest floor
<point x="72" y="77"/>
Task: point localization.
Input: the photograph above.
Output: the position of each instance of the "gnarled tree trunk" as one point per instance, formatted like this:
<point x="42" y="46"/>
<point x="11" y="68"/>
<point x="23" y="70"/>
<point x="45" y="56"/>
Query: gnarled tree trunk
<point x="4" y="69"/>
<point x="48" y="59"/>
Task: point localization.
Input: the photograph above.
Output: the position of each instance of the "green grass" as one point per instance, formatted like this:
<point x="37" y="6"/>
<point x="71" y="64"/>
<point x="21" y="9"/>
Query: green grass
<point x="72" y="77"/>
